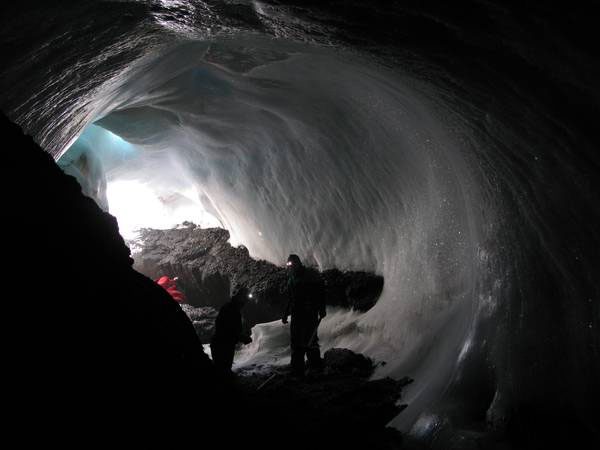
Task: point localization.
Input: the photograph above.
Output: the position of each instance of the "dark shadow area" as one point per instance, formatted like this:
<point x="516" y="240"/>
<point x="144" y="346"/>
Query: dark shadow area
<point x="94" y="345"/>
<point x="337" y="407"/>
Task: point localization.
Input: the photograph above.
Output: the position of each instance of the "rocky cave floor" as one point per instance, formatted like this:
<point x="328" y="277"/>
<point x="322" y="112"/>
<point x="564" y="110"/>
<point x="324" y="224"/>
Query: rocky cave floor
<point x="338" y="405"/>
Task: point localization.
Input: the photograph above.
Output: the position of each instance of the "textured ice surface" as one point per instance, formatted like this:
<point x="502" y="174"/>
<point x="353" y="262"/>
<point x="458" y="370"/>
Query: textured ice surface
<point x="320" y="154"/>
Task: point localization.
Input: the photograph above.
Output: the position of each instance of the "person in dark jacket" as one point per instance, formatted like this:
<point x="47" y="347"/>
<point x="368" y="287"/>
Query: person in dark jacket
<point x="306" y="304"/>
<point x="229" y="331"/>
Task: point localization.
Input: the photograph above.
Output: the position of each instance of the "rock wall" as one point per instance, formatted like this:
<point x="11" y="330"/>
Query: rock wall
<point x="209" y="268"/>
<point x="85" y="332"/>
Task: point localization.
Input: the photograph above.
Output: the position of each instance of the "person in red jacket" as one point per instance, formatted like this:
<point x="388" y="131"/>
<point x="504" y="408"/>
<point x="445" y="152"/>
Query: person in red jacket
<point x="169" y="285"/>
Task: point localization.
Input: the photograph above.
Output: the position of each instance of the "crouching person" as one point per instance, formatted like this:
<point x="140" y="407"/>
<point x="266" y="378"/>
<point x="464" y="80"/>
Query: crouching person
<point x="229" y="331"/>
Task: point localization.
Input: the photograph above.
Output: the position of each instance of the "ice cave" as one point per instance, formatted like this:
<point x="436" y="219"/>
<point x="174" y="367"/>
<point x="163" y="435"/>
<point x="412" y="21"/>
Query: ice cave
<point x="436" y="163"/>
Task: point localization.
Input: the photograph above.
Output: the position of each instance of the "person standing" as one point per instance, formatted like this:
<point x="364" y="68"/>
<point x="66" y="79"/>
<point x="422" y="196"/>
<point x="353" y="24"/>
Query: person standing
<point x="306" y="305"/>
<point x="229" y="331"/>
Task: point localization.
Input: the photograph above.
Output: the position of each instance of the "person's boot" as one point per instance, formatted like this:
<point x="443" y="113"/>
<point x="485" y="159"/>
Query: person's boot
<point x="297" y="364"/>
<point x="297" y="370"/>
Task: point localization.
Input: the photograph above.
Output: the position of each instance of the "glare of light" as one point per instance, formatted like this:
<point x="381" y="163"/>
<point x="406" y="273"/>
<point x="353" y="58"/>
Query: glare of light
<point x="136" y="205"/>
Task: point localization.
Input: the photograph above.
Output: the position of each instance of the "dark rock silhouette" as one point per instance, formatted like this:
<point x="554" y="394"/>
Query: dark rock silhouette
<point x="87" y="333"/>
<point x="208" y="267"/>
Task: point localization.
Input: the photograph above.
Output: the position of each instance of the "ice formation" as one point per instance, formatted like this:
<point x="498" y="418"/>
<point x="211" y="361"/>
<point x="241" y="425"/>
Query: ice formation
<point x="317" y="153"/>
<point x="467" y="182"/>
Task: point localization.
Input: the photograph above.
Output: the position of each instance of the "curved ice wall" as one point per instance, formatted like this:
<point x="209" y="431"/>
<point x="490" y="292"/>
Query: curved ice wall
<point x="468" y="190"/>
<point x="325" y="155"/>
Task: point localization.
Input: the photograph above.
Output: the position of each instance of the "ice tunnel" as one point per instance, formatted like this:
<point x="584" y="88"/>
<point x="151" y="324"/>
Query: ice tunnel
<point x="451" y="149"/>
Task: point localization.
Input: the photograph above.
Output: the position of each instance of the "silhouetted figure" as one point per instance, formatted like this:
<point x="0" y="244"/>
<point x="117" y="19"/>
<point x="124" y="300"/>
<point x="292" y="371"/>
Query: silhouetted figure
<point x="306" y="304"/>
<point x="229" y="331"/>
